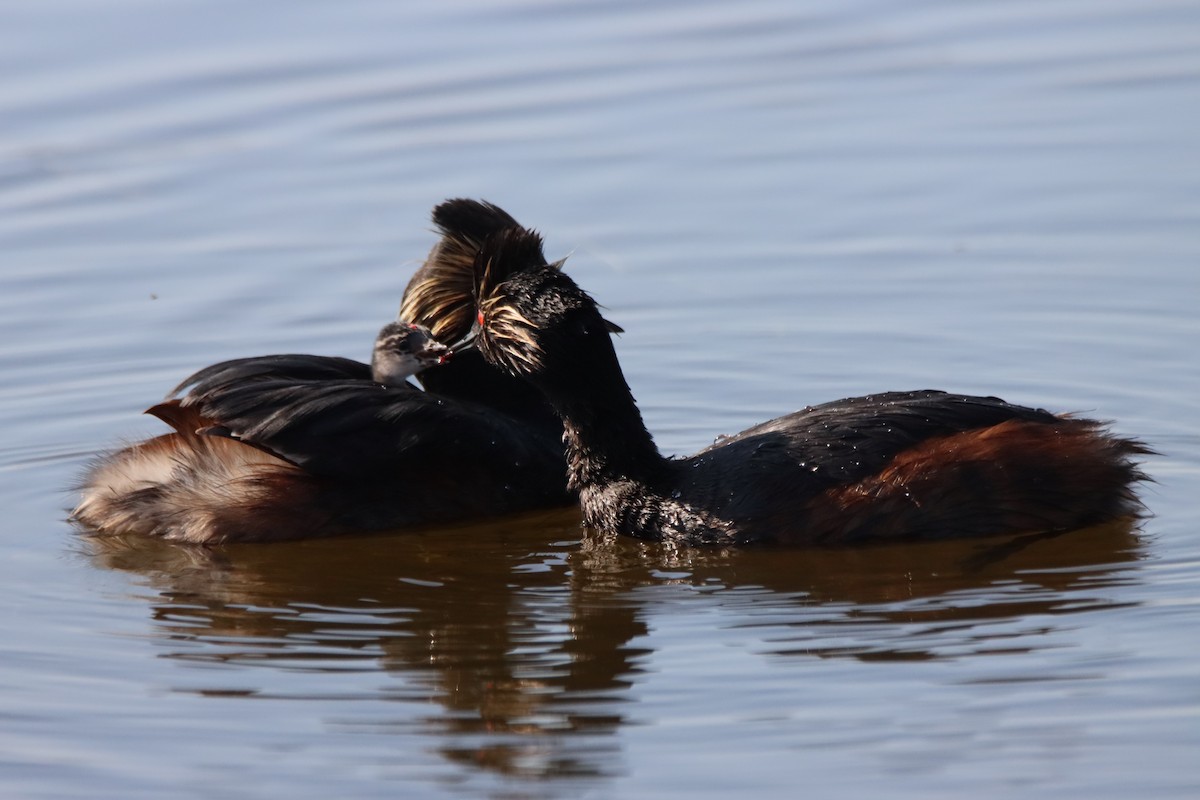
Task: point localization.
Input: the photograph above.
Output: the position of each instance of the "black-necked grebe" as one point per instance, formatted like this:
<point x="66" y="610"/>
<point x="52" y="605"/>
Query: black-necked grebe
<point x="899" y="465"/>
<point x="296" y="446"/>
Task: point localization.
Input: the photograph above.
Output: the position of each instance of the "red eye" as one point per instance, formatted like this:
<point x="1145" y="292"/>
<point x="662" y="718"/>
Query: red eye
<point x="479" y="319"/>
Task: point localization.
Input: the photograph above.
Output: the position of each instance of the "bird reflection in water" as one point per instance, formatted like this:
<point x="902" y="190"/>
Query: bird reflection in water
<point x="529" y="640"/>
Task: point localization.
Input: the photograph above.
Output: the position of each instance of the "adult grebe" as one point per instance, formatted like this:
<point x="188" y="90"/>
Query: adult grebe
<point x="295" y="446"/>
<point x="899" y="465"/>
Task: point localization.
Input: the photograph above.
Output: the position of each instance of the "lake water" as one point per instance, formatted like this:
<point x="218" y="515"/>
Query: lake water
<point x="782" y="203"/>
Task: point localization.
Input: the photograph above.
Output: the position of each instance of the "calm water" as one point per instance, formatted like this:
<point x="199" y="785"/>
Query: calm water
<point x="782" y="204"/>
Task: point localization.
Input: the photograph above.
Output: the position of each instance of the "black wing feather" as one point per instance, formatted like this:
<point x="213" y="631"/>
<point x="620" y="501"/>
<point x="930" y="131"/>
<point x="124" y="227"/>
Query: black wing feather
<point x="288" y="366"/>
<point x="353" y="428"/>
<point x="846" y="440"/>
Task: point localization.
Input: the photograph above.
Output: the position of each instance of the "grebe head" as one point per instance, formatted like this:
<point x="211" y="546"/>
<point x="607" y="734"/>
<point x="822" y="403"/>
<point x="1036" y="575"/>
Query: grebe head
<point x="440" y="294"/>
<point x="532" y="320"/>
<point x="403" y="349"/>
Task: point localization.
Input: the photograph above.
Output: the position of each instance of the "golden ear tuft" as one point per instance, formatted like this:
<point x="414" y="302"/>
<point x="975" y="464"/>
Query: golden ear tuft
<point x="504" y="254"/>
<point x="441" y="294"/>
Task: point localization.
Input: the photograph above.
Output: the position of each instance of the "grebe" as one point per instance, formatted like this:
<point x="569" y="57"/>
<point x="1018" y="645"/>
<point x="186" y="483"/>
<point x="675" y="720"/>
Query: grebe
<point x="297" y="446"/>
<point x="402" y="349"/>
<point x="892" y="466"/>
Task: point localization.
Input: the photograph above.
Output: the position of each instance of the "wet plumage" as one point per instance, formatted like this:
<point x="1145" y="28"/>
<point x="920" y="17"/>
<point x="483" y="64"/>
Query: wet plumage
<point x="898" y="465"/>
<point x="295" y="446"/>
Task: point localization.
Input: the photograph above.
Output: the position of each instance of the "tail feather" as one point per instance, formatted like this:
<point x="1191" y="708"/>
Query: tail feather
<point x="191" y="487"/>
<point x="1007" y="478"/>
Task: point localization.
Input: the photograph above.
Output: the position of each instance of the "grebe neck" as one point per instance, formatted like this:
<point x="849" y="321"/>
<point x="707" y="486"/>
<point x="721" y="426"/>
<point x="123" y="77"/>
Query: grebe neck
<point x="606" y="439"/>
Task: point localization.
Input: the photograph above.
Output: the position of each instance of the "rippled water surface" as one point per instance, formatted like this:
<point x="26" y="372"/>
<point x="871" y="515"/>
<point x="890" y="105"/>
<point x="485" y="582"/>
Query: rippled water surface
<point x="782" y="204"/>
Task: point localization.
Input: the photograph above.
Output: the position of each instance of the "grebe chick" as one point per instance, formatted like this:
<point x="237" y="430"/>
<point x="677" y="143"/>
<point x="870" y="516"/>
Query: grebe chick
<point x="402" y="349"/>
<point x="899" y="465"/>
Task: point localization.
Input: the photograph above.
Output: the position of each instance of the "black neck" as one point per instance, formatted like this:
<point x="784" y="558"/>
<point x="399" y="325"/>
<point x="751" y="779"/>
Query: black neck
<point x="605" y="436"/>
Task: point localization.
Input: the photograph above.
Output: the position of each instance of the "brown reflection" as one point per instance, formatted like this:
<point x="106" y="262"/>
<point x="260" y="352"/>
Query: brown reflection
<point x="898" y="601"/>
<point x="528" y="638"/>
<point x="480" y="619"/>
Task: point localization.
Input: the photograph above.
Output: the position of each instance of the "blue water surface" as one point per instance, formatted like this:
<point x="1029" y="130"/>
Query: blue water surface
<point x="782" y="204"/>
